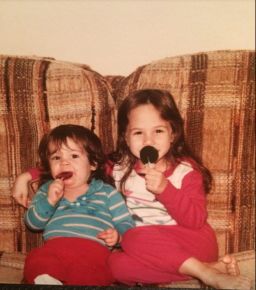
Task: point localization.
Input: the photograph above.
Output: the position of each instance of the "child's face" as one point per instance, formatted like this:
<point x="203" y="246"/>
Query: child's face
<point x="146" y="127"/>
<point x="70" y="158"/>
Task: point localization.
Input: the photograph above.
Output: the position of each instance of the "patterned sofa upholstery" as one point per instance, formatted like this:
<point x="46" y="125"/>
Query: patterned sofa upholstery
<point x="215" y="92"/>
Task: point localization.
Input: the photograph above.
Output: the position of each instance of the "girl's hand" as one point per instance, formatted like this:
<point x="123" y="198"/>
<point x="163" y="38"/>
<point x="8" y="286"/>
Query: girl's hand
<point x="110" y="236"/>
<point x="56" y="191"/>
<point x="20" y="189"/>
<point x="155" y="180"/>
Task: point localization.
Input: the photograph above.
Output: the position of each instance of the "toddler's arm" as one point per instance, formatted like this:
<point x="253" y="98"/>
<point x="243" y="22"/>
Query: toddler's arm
<point x="40" y="209"/>
<point x="56" y="191"/>
<point x="120" y="213"/>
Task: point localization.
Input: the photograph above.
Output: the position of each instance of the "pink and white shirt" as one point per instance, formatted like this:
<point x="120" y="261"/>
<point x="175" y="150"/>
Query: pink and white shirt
<point x="143" y="205"/>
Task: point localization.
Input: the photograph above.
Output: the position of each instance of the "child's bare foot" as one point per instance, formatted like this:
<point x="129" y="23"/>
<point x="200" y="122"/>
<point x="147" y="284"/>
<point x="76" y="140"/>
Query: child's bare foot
<point x="218" y="280"/>
<point x="223" y="274"/>
<point x="227" y="274"/>
<point x="227" y="265"/>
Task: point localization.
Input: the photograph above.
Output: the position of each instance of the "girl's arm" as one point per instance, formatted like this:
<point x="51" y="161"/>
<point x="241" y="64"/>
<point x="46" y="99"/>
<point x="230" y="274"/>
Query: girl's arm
<point x="20" y="187"/>
<point x="186" y="205"/>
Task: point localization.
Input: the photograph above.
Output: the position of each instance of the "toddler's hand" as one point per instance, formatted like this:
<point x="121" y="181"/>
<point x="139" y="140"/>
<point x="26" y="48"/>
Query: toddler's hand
<point x="56" y="191"/>
<point x="155" y="180"/>
<point x="20" y="189"/>
<point x="110" y="236"/>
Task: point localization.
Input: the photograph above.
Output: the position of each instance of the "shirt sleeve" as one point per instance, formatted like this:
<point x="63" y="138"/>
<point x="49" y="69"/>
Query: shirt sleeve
<point x="34" y="172"/>
<point x="119" y="211"/>
<point x="39" y="211"/>
<point x="187" y="205"/>
<point x="109" y="168"/>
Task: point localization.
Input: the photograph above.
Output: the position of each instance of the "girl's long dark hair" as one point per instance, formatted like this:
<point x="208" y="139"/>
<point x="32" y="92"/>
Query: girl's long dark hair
<point x="83" y="137"/>
<point x="179" y="151"/>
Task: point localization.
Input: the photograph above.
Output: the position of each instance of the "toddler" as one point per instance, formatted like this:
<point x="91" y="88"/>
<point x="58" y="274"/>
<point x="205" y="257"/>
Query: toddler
<point x="82" y="216"/>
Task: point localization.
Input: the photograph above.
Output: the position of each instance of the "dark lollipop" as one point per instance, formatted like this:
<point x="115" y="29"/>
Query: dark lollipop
<point x="148" y="154"/>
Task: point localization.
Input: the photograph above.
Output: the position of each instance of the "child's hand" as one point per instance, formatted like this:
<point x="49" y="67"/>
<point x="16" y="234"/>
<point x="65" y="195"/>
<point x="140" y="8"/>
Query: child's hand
<point x="155" y="180"/>
<point x="110" y="236"/>
<point x="20" y="189"/>
<point x="56" y="191"/>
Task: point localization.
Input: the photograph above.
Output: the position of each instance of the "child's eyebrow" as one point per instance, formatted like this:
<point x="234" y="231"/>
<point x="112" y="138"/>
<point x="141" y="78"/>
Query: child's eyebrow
<point x="57" y="151"/>
<point x="161" y="126"/>
<point x="154" y="127"/>
<point x="133" y="129"/>
<point x="76" y="150"/>
<point x="53" y="152"/>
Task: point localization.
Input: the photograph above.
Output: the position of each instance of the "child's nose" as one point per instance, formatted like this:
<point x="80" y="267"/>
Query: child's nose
<point x="64" y="160"/>
<point x="148" y="139"/>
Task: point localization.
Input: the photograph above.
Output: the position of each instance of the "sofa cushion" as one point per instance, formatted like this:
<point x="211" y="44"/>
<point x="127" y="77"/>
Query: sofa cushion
<point x="11" y="270"/>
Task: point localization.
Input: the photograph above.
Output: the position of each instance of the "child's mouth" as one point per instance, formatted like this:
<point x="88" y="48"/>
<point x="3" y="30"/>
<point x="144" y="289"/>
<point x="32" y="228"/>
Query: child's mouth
<point x="65" y="175"/>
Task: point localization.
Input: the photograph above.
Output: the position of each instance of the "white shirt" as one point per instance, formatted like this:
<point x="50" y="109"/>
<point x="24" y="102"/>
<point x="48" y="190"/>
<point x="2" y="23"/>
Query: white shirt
<point x="142" y="204"/>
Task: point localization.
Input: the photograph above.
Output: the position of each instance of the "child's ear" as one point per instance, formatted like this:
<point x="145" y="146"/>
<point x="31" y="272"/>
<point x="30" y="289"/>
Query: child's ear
<point x="172" y="137"/>
<point x="94" y="166"/>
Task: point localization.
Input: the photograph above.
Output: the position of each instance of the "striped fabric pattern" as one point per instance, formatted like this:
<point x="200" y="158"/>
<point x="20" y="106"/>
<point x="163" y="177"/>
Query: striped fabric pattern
<point x="100" y="208"/>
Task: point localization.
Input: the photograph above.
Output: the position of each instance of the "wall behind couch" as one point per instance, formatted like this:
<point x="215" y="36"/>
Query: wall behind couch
<point x="116" y="36"/>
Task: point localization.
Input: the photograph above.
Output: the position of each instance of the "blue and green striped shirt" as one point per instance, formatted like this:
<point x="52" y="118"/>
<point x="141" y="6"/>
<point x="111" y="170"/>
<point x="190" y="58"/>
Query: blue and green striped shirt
<point x="100" y="208"/>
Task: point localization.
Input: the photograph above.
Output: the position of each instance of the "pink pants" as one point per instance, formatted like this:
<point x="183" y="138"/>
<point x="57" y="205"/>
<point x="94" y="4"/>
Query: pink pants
<point x="154" y="254"/>
<point x="74" y="261"/>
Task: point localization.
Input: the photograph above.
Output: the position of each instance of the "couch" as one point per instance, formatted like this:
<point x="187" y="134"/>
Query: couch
<point x="215" y="92"/>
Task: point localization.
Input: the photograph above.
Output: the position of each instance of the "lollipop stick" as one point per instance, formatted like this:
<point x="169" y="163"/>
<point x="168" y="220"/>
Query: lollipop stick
<point x="150" y="165"/>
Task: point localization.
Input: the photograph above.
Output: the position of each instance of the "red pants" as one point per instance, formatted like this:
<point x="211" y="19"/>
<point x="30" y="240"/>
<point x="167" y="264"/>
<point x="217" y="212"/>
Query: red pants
<point x="73" y="261"/>
<point x="154" y="254"/>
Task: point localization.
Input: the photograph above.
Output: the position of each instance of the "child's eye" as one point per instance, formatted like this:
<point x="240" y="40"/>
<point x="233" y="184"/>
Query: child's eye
<point x="74" y="156"/>
<point x="159" y="130"/>
<point x="55" y="157"/>
<point x="137" y="133"/>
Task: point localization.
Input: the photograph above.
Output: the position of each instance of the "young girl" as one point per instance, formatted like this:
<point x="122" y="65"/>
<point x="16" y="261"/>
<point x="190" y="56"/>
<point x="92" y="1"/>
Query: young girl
<point x="77" y="210"/>
<point x="172" y="240"/>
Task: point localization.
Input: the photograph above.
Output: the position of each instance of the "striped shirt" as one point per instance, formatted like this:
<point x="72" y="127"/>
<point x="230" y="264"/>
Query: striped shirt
<point x="100" y="208"/>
